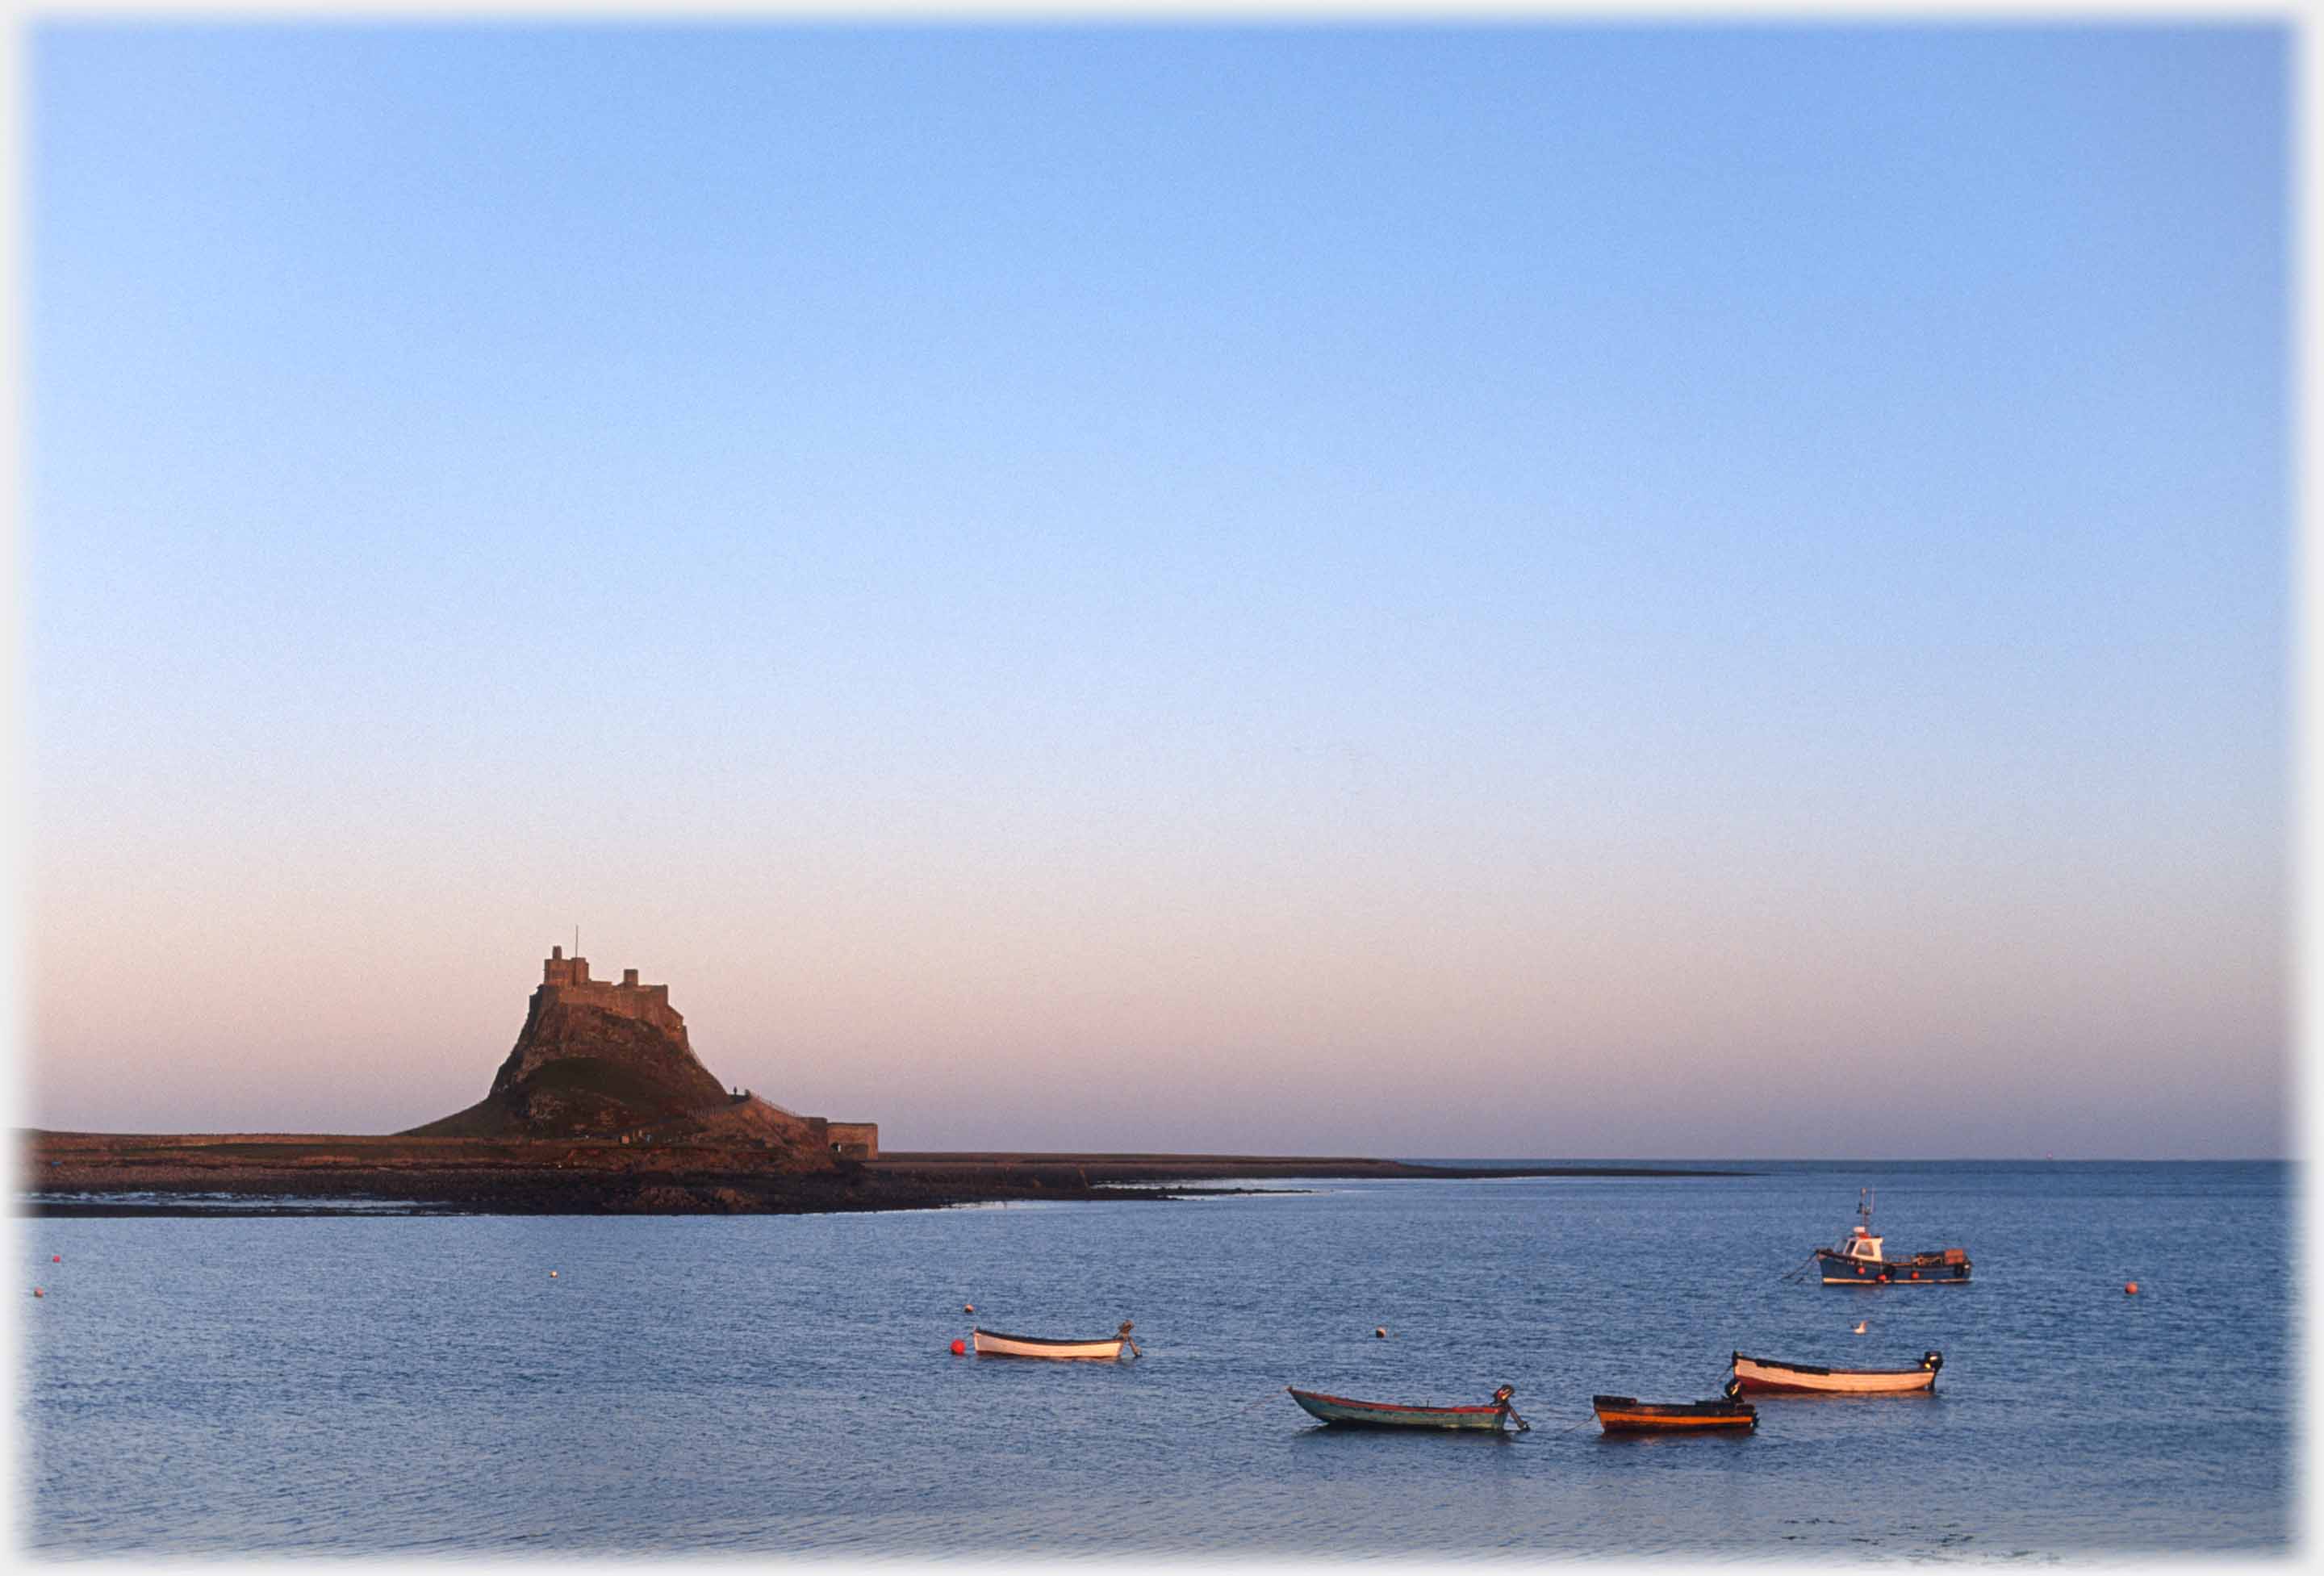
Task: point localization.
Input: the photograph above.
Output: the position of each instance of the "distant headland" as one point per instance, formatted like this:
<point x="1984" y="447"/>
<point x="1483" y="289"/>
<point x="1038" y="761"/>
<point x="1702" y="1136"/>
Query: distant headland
<point x="602" y="1107"/>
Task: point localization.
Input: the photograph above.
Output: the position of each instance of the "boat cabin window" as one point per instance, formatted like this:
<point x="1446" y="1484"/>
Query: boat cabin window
<point x="1865" y="1249"/>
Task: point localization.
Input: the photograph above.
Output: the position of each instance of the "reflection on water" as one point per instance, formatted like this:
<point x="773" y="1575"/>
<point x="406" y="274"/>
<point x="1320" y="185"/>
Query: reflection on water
<point x="241" y="1203"/>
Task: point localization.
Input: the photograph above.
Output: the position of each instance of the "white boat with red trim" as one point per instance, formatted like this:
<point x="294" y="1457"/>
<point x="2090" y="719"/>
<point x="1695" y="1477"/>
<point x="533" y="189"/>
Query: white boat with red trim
<point x="1765" y="1374"/>
<point x="992" y="1343"/>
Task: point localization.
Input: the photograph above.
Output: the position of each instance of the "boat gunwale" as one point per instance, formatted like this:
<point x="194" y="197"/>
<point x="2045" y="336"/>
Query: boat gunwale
<point x="1927" y="1258"/>
<point x="1615" y="1412"/>
<point x="1808" y="1367"/>
<point x="1114" y="1341"/>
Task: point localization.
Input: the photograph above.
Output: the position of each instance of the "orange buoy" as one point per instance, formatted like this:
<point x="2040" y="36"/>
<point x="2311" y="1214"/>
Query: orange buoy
<point x="1380" y="1333"/>
<point x="39" y="1293"/>
<point x="2130" y="1288"/>
<point x="968" y="1307"/>
<point x="960" y="1349"/>
<point x="552" y="1274"/>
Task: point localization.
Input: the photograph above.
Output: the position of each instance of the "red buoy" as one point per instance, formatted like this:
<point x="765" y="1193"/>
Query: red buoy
<point x="39" y="1293"/>
<point x="56" y="1258"/>
<point x="2130" y="1288"/>
<point x="960" y="1349"/>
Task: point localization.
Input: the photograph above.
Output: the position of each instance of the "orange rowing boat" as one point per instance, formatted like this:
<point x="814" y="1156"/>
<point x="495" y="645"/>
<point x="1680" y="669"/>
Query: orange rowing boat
<point x="1627" y="1414"/>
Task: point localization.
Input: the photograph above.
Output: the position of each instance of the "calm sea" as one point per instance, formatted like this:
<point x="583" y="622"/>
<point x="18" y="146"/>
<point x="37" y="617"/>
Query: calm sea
<point x="784" y="1384"/>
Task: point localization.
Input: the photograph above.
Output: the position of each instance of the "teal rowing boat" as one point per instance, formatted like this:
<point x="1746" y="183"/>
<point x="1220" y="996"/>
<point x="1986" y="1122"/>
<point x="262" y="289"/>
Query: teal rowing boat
<point x="1340" y="1412"/>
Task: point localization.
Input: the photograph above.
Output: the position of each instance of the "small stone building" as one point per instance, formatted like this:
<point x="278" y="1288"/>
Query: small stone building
<point x="855" y="1141"/>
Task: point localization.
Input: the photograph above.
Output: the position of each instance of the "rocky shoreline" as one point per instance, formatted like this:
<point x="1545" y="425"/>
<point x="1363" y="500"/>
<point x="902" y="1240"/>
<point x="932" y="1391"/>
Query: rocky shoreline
<point x="244" y="1174"/>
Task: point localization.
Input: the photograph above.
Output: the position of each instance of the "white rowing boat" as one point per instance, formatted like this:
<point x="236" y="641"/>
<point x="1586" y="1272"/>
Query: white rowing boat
<point x="1763" y="1374"/>
<point x="992" y="1343"/>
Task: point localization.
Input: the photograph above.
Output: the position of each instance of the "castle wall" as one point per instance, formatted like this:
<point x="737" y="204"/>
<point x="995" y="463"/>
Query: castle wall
<point x="568" y="980"/>
<point x="853" y="1140"/>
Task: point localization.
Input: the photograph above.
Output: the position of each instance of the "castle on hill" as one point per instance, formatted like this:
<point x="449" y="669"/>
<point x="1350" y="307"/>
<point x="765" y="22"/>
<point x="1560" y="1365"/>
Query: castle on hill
<point x="565" y="982"/>
<point x="597" y="1059"/>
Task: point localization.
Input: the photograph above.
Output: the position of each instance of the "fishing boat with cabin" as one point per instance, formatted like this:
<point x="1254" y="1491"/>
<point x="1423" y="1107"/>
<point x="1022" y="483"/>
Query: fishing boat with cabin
<point x="1859" y="1259"/>
<point x="1340" y="1412"/>
<point x="992" y="1343"/>
<point x="1762" y="1374"/>
<point x="1628" y="1414"/>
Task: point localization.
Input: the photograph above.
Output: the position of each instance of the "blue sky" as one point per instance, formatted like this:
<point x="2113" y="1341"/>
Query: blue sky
<point x="1509" y="590"/>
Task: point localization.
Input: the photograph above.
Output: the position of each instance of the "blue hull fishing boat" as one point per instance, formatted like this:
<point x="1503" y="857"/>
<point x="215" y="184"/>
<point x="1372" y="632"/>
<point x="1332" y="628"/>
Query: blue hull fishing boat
<point x="1859" y="1260"/>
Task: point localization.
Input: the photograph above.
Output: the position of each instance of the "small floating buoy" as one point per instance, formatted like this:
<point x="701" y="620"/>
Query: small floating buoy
<point x="1859" y="1327"/>
<point x="2130" y="1288"/>
<point x="960" y="1349"/>
<point x="39" y="1293"/>
<point x="56" y="1258"/>
<point x="1380" y="1333"/>
<point x="968" y="1307"/>
<point x="552" y="1274"/>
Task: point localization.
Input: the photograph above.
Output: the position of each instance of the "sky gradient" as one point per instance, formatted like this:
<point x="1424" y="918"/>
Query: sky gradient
<point x="1522" y="591"/>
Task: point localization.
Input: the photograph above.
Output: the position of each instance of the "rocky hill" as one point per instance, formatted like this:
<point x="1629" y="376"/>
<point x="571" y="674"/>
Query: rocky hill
<point x="601" y="1060"/>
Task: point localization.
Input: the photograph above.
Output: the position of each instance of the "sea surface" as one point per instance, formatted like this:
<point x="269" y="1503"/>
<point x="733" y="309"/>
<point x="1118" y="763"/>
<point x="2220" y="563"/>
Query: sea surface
<point x="784" y="1384"/>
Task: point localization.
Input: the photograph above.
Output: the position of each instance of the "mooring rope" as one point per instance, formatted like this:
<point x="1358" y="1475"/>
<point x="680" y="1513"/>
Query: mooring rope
<point x="1262" y="1401"/>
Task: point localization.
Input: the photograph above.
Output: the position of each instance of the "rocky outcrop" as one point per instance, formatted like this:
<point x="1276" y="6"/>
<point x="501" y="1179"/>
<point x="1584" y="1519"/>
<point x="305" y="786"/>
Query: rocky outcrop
<point x="612" y="1061"/>
<point x="647" y="1053"/>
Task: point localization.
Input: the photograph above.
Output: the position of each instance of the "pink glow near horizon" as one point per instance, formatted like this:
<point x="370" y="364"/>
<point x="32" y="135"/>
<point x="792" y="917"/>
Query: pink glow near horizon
<point x="1298" y="1008"/>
